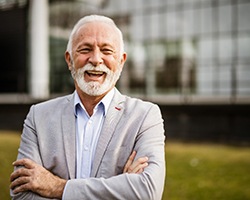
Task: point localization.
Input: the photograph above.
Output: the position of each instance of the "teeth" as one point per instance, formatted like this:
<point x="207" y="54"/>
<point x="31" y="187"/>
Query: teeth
<point x="95" y="72"/>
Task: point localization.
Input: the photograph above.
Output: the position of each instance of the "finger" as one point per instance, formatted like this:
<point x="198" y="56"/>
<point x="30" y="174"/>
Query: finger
<point x="136" y="165"/>
<point x="131" y="157"/>
<point x="18" y="173"/>
<point x="140" y="171"/>
<point x="24" y="162"/>
<point x="129" y="162"/>
<point x="21" y="188"/>
<point x="140" y="168"/>
<point x="18" y="182"/>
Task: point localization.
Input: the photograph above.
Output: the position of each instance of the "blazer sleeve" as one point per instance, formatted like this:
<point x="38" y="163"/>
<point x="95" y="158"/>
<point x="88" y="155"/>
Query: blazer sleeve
<point x="28" y="149"/>
<point x="150" y="141"/>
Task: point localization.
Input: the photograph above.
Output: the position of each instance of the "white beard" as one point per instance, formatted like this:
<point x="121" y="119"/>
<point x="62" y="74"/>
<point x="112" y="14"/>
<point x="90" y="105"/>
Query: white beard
<point x="94" y="88"/>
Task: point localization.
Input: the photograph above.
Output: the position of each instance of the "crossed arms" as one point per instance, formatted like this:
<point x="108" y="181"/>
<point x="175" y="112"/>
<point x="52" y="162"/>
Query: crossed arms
<point x="35" y="178"/>
<point x="142" y="177"/>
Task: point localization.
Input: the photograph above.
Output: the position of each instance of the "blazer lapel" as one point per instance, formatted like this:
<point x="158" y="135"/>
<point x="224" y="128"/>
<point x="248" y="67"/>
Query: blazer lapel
<point x="69" y="136"/>
<point x="113" y="116"/>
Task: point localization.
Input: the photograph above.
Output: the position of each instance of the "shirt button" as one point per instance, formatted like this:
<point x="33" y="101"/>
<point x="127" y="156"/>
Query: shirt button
<point x="86" y="148"/>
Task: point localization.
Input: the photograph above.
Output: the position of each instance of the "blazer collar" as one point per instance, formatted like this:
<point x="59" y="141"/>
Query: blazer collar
<point x="69" y="135"/>
<point x="113" y="116"/>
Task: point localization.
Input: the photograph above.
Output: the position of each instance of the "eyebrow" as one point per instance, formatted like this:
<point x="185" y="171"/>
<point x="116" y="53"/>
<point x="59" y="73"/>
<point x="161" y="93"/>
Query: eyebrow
<point x="88" y="44"/>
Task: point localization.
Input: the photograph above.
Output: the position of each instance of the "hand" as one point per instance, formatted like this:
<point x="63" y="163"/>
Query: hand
<point x="137" y="166"/>
<point x="35" y="178"/>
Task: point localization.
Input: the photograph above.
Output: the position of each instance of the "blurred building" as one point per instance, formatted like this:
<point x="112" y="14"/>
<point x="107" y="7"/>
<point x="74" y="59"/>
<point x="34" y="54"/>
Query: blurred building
<point x="192" y="57"/>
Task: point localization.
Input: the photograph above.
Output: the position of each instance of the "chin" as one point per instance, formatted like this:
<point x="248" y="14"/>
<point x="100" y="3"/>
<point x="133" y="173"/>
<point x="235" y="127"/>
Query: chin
<point x="94" y="88"/>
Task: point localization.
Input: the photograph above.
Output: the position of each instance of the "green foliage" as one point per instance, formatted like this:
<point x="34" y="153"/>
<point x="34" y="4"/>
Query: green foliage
<point x="194" y="171"/>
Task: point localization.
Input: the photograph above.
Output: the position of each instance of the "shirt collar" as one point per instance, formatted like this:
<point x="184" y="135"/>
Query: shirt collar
<point x="106" y="100"/>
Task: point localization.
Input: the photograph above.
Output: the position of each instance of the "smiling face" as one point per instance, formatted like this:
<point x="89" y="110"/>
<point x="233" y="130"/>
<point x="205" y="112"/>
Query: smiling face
<point x="96" y="60"/>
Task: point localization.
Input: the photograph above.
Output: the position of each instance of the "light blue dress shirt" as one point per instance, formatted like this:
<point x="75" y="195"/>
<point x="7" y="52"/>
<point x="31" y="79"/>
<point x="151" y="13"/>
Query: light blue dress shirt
<point x="88" y="129"/>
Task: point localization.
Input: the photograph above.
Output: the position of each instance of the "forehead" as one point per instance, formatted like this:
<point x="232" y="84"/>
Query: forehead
<point x="98" y="33"/>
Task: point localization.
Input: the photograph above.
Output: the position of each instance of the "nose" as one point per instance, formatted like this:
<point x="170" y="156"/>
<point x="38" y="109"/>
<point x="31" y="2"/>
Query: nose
<point x="96" y="58"/>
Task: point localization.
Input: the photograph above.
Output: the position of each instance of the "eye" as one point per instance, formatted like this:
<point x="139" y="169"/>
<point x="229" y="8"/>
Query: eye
<point x="107" y="51"/>
<point x="84" y="50"/>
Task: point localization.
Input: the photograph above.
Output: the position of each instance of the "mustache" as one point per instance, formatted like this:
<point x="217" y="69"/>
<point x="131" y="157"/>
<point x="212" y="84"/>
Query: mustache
<point x="90" y="67"/>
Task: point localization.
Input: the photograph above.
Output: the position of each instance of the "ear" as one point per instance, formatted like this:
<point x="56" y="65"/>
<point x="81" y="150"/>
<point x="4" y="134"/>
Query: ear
<point x="68" y="60"/>
<point x="123" y="58"/>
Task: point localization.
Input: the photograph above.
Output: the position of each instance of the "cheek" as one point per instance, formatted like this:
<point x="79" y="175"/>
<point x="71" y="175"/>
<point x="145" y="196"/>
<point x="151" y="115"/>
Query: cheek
<point x="80" y="61"/>
<point x="112" y="64"/>
<point x="113" y="67"/>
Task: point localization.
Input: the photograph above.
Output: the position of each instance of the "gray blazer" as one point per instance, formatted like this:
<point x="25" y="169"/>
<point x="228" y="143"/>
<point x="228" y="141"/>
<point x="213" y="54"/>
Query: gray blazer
<point x="49" y="139"/>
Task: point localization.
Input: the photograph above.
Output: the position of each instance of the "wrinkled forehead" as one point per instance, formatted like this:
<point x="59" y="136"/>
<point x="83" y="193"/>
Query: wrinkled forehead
<point x="99" y="31"/>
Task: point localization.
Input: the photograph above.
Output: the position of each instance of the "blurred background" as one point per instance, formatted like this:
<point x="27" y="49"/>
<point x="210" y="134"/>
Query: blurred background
<point x="191" y="57"/>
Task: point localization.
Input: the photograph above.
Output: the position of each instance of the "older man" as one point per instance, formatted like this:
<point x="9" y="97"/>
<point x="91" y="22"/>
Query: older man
<point x="95" y="143"/>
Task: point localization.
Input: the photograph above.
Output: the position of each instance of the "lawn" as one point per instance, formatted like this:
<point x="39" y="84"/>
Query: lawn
<point x="194" y="171"/>
<point x="207" y="172"/>
<point x="9" y="142"/>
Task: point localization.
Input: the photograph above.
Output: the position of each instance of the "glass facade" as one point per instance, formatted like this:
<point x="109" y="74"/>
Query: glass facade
<point x="13" y="46"/>
<point x="198" y="47"/>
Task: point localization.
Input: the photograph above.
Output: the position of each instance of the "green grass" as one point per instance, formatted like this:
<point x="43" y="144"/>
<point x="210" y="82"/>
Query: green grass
<point x="194" y="171"/>
<point x="9" y="142"/>
<point x="207" y="172"/>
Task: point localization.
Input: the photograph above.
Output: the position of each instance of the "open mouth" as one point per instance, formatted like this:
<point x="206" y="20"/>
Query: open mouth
<point x="94" y="74"/>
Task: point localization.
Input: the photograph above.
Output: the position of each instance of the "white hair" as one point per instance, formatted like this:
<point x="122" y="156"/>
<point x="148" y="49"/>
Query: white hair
<point x="93" y="18"/>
